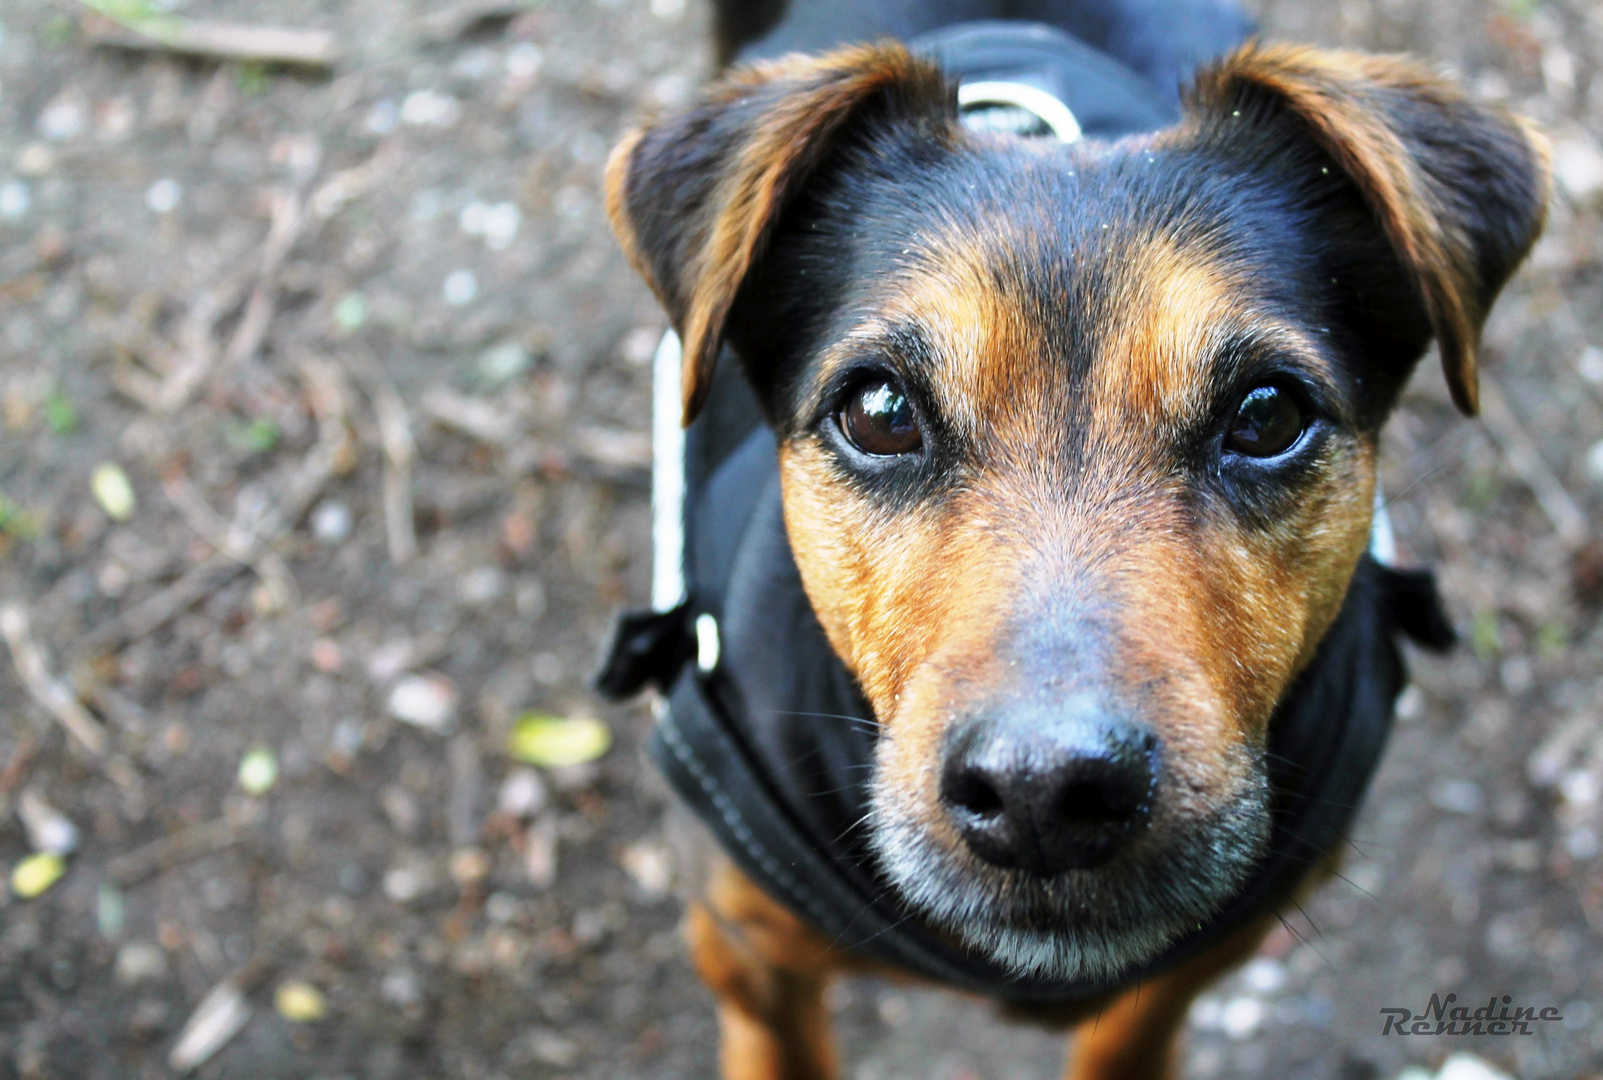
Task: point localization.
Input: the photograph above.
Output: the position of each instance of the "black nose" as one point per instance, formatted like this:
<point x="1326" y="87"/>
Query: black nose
<point x="1048" y="794"/>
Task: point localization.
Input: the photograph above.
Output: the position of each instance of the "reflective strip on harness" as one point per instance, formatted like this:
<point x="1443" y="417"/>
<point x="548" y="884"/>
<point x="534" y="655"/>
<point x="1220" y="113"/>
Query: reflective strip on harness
<point x="974" y="98"/>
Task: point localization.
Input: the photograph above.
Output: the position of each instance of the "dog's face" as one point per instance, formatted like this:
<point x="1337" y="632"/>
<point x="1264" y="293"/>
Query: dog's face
<point x="1077" y="442"/>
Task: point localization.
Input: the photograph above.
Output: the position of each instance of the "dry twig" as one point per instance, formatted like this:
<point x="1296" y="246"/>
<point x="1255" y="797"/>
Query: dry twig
<point x="216" y="40"/>
<point x="287" y="217"/>
<point x="332" y="456"/>
<point x="395" y="433"/>
<point x="51" y="693"/>
<point x="179" y="847"/>
<point x="235" y="540"/>
<point x="1520" y="451"/>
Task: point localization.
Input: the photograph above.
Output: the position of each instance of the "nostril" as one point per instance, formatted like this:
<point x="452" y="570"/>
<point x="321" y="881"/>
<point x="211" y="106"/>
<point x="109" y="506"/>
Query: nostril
<point x="1093" y="801"/>
<point x="974" y="794"/>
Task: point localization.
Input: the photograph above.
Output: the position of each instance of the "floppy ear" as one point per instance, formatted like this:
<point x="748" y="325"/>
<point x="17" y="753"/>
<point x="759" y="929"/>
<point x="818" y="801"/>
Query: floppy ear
<point x="1459" y="190"/>
<point x="695" y="198"/>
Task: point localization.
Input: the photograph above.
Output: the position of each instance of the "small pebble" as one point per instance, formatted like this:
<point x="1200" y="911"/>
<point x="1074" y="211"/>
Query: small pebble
<point x="163" y="196"/>
<point x="523" y="794"/>
<point x="110" y="914"/>
<point x="401" y="808"/>
<point x="651" y="867"/>
<point x="640" y="345"/>
<point x="430" y="108"/>
<point x="1582" y="843"/>
<point x="540" y="852"/>
<point x="469" y="866"/>
<point x="1457" y="797"/>
<point x="1241" y="1017"/>
<point x="1469" y="1067"/>
<point x="327" y="656"/>
<point x="36" y="159"/>
<point x="389" y="660"/>
<point x="1594" y="462"/>
<point x="408" y="880"/>
<point x="400" y="988"/>
<point x="481" y="586"/>
<point x="1579" y="787"/>
<point x="140" y="961"/>
<point x="523" y="61"/>
<point x="14" y="199"/>
<point x="1263" y="975"/>
<point x="62" y="119"/>
<point x="1590" y="364"/>
<point x="383" y="118"/>
<point x="500" y="364"/>
<point x="425" y="701"/>
<point x="551" y="1048"/>
<point x="502" y="908"/>
<point x="351" y="312"/>
<point x="48" y="829"/>
<point x="496" y="223"/>
<point x="893" y="1009"/>
<point x="460" y="287"/>
<point x="331" y="522"/>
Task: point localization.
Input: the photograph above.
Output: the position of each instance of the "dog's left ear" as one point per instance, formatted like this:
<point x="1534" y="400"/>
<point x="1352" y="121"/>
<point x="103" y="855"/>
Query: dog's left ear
<point x="695" y="198"/>
<point x="1459" y="190"/>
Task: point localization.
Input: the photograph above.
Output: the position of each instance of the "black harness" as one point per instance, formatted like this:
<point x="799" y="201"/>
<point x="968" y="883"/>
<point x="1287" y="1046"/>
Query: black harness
<point x="769" y="740"/>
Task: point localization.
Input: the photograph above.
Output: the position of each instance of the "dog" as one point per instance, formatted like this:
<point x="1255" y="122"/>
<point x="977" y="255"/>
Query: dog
<point x="1031" y="637"/>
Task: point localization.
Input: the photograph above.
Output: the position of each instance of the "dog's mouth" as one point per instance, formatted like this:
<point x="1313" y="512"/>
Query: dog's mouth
<point x="1075" y="917"/>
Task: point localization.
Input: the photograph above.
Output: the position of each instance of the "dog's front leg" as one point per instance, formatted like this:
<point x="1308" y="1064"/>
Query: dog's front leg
<point x="769" y="973"/>
<point x="1135" y="1037"/>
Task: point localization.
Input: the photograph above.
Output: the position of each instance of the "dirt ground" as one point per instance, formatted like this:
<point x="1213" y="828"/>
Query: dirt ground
<point x="378" y="377"/>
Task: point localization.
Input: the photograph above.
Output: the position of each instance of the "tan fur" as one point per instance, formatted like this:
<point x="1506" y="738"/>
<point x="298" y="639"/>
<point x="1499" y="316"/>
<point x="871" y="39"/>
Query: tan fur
<point x="1339" y="95"/>
<point x="916" y="603"/>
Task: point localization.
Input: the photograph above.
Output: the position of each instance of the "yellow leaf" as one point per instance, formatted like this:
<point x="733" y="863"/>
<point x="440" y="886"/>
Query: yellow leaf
<point x="300" y="1003"/>
<point x="554" y="741"/>
<point x="113" y="491"/>
<point x="258" y="771"/>
<point x="37" y="873"/>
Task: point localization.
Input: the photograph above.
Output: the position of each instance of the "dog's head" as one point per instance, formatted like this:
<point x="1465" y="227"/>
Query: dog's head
<point x="1077" y="442"/>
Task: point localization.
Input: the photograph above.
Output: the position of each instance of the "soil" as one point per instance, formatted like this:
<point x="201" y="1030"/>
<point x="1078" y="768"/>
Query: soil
<point x="378" y="376"/>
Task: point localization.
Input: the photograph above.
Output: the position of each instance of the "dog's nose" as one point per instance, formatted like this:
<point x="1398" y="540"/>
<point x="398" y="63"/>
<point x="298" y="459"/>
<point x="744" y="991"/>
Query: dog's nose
<point x="1046" y="794"/>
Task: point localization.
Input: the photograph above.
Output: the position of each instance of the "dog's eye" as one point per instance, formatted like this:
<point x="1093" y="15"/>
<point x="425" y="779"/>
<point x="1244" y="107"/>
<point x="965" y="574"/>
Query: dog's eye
<point x="878" y="419"/>
<point x="1267" y="422"/>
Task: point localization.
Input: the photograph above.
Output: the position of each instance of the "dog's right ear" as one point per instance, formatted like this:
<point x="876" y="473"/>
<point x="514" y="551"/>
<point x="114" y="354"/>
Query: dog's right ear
<point x="695" y="198"/>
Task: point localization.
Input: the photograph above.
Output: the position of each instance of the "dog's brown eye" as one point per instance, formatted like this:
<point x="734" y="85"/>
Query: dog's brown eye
<point x="878" y="419"/>
<point x="1267" y="423"/>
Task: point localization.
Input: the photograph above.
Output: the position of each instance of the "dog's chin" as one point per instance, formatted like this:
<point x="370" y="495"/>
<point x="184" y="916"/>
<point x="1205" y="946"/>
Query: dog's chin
<point x="1092" y="925"/>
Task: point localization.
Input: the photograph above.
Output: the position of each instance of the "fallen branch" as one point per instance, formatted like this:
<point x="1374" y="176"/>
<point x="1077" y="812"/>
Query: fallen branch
<point x="334" y="455"/>
<point x="51" y="693"/>
<point x="234" y="540"/>
<point x="476" y="418"/>
<point x="220" y="1015"/>
<point x="287" y="216"/>
<point x="395" y="433"/>
<point x="198" y="582"/>
<point x="317" y="49"/>
<point x="1520" y="451"/>
<point x="182" y="846"/>
<point x="197" y="349"/>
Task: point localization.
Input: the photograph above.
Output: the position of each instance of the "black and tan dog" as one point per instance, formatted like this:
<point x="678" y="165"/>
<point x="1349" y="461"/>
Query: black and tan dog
<point x="1076" y="454"/>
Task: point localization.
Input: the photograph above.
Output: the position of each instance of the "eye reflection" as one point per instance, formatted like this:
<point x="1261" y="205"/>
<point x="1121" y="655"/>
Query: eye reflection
<point x="1266" y="424"/>
<point x="878" y="419"/>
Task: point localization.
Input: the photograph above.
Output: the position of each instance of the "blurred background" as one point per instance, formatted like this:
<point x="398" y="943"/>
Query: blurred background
<point x="323" y="400"/>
